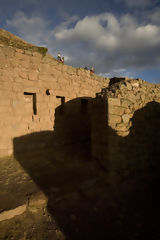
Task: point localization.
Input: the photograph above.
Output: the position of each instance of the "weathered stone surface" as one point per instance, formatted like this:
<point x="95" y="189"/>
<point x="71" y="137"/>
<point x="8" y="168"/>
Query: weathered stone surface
<point x="33" y="85"/>
<point x="12" y="213"/>
<point x="115" y="110"/>
<point x="23" y="75"/>
<point x="143" y="97"/>
<point x="126" y="103"/>
<point x="136" y="105"/>
<point x="129" y="86"/>
<point x="33" y="76"/>
<point x="37" y="201"/>
<point x="122" y="133"/>
<point x="114" y="119"/>
<point x="26" y="71"/>
<point x="114" y="101"/>
<point x="126" y="118"/>
<point x="131" y="97"/>
<point x="122" y="127"/>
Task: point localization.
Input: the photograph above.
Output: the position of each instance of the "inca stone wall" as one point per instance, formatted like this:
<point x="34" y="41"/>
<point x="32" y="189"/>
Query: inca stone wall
<point x="32" y="85"/>
<point x="38" y="93"/>
<point x="126" y="129"/>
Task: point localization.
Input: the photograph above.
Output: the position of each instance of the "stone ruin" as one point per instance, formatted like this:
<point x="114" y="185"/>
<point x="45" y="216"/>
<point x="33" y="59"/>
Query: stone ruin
<point x="80" y="119"/>
<point x="33" y="84"/>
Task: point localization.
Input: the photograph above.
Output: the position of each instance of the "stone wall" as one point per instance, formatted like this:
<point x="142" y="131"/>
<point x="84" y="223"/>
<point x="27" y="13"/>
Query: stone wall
<point x="129" y="138"/>
<point x="38" y="93"/>
<point x="32" y="85"/>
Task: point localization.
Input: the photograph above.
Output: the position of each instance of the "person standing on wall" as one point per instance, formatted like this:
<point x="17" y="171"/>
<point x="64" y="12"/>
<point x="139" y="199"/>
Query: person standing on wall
<point x="59" y="57"/>
<point x="92" y="70"/>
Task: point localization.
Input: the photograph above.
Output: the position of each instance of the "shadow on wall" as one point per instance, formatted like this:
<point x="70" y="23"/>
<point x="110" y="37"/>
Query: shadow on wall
<point x="81" y="197"/>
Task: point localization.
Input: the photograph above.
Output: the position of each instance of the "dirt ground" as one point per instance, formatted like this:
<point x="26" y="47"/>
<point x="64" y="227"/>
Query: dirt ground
<point x="30" y="226"/>
<point x="81" y="203"/>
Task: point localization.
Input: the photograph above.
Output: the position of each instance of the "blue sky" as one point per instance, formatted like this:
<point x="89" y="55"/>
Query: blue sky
<point x="117" y="37"/>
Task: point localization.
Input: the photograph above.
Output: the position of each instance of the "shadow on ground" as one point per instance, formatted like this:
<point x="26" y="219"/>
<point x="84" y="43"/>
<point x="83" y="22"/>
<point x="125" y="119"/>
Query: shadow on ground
<point x="82" y="198"/>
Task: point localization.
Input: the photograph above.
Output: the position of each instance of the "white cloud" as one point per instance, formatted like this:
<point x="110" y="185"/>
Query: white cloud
<point x="113" y="42"/>
<point x="33" y="29"/>
<point x="118" y="72"/>
<point x="104" y="41"/>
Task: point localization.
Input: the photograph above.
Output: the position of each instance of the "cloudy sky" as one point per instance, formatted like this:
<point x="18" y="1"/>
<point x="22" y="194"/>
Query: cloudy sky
<point x="117" y="37"/>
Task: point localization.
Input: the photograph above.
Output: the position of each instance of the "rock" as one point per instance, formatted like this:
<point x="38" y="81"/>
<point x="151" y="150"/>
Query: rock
<point x="114" y="119"/>
<point x="126" y="118"/>
<point x="143" y="97"/>
<point x="12" y="213"/>
<point x="122" y="127"/>
<point x="126" y="103"/>
<point x="116" y="110"/>
<point x="129" y="86"/>
<point x="37" y="201"/>
<point x="122" y="86"/>
<point x="114" y="101"/>
<point x="131" y="97"/>
<point x="136" y="105"/>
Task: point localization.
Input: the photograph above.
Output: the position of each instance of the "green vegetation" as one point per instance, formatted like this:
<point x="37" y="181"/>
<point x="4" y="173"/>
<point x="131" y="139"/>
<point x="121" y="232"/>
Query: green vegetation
<point x="11" y="40"/>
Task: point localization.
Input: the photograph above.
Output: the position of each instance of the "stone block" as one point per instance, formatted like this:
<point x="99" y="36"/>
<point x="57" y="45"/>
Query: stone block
<point x="33" y="76"/>
<point x="37" y="55"/>
<point x="116" y="110"/>
<point x="47" y="77"/>
<point x="129" y="86"/>
<point x="17" y="103"/>
<point x="40" y="98"/>
<point x="5" y="87"/>
<point x="23" y="75"/>
<point x="30" y="89"/>
<point x="27" y="108"/>
<point x="114" y="101"/>
<point x="8" y="51"/>
<point x="17" y="87"/>
<point x="126" y="118"/>
<point x="123" y="133"/>
<point x="3" y="109"/>
<point x="36" y="62"/>
<point x="28" y="83"/>
<point x="6" y="75"/>
<point x="122" y="127"/>
<point x="25" y="65"/>
<point x="132" y="97"/>
<point x="47" y="69"/>
<point x="5" y="102"/>
<point x="18" y="79"/>
<point x="126" y="103"/>
<point x="69" y="70"/>
<point x="114" y="119"/>
<point x="19" y="50"/>
<point x="143" y="97"/>
<point x="21" y="56"/>
<point x="136" y="106"/>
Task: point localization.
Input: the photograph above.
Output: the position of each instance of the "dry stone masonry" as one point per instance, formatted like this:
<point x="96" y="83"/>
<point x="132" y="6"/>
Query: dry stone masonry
<point x="32" y="85"/>
<point x="127" y="97"/>
<point x="129" y="139"/>
<point x="85" y="150"/>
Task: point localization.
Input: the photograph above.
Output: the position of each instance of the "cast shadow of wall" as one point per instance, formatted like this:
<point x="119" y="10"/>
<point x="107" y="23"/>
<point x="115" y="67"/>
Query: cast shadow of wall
<point x="81" y="199"/>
